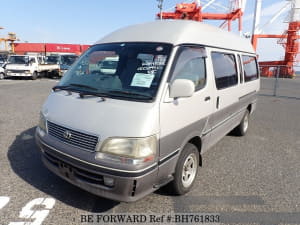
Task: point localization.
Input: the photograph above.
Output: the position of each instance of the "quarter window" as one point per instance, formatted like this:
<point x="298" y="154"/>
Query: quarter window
<point x="191" y="65"/>
<point x="241" y="68"/>
<point x="224" y="65"/>
<point x="250" y="68"/>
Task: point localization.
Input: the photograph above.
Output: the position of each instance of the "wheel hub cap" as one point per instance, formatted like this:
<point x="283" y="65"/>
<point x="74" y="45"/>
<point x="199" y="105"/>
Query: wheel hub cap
<point x="189" y="170"/>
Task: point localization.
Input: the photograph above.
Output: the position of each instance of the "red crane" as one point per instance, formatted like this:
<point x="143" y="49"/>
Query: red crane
<point x="289" y="40"/>
<point x="193" y="11"/>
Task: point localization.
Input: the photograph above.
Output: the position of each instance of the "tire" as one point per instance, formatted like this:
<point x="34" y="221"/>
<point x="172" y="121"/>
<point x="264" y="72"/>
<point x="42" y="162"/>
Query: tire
<point x="34" y="76"/>
<point x="51" y="75"/>
<point x="2" y="76"/>
<point x="186" y="170"/>
<point x="242" y="128"/>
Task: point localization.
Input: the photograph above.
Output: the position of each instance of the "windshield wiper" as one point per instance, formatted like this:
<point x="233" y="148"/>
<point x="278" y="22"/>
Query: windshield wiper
<point x="62" y="87"/>
<point x="81" y="93"/>
<point x="130" y="93"/>
<point x="69" y="87"/>
<point x="88" y="93"/>
<point x="84" y="86"/>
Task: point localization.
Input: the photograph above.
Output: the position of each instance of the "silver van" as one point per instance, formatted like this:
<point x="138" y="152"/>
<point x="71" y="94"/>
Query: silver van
<point x="174" y="90"/>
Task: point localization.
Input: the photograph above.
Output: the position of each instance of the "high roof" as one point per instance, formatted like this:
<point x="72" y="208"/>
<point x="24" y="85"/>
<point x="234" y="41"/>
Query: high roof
<point x="179" y="32"/>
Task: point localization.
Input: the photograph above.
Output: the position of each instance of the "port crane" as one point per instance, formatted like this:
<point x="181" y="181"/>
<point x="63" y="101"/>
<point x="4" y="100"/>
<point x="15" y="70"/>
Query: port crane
<point x="195" y="11"/>
<point x="8" y="41"/>
<point x="289" y="39"/>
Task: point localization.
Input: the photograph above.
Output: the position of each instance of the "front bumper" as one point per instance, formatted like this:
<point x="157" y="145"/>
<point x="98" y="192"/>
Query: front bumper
<point x="128" y="186"/>
<point x="62" y="72"/>
<point x="18" y="74"/>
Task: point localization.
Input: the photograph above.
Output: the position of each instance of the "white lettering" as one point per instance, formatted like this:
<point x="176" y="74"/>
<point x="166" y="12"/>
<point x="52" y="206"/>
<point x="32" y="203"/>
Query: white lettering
<point x="28" y="211"/>
<point x="3" y="201"/>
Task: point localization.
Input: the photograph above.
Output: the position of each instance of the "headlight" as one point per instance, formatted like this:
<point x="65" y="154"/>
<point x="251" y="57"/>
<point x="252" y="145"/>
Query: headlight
<point x="43" y="123"/>
<point x="128" y="150"/>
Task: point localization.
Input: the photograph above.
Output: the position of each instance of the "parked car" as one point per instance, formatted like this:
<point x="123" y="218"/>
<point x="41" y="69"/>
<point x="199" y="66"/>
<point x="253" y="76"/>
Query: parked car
<point x="2" y="63"/>
<point x="2" y="74"/>
<point x="178" y="87"/>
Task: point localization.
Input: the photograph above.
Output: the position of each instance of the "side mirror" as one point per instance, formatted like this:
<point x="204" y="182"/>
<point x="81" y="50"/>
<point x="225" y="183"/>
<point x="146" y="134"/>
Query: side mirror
<point x="181" y="88"/>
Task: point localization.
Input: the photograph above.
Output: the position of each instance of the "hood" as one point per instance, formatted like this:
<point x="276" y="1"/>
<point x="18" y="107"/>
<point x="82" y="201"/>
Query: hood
<point x="109" y="118"/>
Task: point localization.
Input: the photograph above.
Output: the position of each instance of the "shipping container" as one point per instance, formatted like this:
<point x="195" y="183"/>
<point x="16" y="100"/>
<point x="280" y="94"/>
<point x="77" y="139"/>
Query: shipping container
<point x="49" y="48"/>
<point x="21" y="48"/>
<point x="70" y="48"/>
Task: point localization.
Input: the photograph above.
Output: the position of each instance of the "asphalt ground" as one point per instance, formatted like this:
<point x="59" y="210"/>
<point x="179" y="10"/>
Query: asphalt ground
<point x="246" y="180"/>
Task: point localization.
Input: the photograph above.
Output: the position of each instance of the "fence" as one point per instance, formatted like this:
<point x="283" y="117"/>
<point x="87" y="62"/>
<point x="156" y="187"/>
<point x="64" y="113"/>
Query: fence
<point x="277" y="84"/>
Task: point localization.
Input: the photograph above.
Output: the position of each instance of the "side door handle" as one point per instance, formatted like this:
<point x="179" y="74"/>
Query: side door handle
<point x="207" y="98"/>
<point x="218" y="102"/>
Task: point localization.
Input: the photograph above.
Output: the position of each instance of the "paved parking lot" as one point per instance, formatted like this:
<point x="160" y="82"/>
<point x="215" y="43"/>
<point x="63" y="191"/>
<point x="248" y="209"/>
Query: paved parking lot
<point x="249" y="180"/>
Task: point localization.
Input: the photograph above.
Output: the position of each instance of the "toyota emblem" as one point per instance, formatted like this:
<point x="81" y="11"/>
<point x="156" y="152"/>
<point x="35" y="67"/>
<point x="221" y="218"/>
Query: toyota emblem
<point x="67" y="134"/>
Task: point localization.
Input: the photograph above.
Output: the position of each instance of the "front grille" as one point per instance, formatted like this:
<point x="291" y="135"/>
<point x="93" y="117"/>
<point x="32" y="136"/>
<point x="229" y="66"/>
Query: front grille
<point x="17" y="71"/>
<point x="75" y="138"/>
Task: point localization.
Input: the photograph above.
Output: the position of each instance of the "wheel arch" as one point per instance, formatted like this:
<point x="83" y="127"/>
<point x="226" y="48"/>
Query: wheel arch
<point x="198" y="143"/>
<point x="196" y="140"/>
<point x="249" y="107"/>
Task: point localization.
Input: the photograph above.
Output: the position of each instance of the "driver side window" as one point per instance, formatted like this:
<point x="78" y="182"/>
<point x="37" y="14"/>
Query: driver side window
<point x="191" y="65"/>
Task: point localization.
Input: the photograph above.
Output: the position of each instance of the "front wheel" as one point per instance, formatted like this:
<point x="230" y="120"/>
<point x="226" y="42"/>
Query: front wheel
<point x="34" y="76"/>
<point x="186" y="170"/>
<point x="242" y="128"/>
<point x="2" y="76"/>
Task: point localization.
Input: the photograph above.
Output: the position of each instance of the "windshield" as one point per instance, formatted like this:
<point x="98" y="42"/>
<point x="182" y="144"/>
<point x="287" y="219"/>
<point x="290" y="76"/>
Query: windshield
<point x="121" y="70"/>
<point x="68" y="59"/>
<point x="52" y="59"/>
<point x="18" y="60"/>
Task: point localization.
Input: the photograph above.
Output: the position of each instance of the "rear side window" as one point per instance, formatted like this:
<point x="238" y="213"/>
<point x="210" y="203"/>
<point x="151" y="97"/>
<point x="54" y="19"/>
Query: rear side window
<point x="225" y="69"/>
<point x="250" y="68"/>
<point x="191" y="65"/>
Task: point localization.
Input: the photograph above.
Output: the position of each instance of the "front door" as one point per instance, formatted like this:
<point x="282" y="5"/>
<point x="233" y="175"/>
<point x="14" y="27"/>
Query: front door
<point x="184" y="118"/>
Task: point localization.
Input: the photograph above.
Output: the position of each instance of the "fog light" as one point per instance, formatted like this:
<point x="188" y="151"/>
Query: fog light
<point x="108" y="181"/>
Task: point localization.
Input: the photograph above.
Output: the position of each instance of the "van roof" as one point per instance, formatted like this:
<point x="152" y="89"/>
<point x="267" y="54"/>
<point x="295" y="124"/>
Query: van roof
<point x="179" y="32"/>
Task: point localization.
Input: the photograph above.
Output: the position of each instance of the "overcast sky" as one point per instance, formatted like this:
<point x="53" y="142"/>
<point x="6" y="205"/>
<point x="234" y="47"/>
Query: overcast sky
<point x="84" y="22"/>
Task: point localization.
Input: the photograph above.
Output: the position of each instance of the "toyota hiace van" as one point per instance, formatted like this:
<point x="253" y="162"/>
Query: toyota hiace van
<point x="175" y="89"/>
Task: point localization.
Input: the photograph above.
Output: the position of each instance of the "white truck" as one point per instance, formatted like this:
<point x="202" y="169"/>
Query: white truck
<point x="28" y="66"/>
<point x="64" y="61"/>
